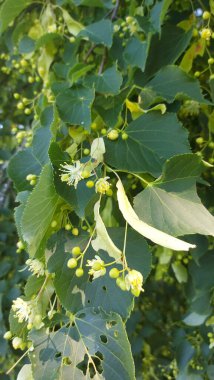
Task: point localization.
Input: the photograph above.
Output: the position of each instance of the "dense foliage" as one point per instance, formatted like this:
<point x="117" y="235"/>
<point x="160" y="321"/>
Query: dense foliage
<point x="106" y="154"/>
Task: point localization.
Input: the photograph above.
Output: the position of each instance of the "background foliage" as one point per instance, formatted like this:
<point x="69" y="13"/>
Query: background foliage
<point x="140" y="75"/>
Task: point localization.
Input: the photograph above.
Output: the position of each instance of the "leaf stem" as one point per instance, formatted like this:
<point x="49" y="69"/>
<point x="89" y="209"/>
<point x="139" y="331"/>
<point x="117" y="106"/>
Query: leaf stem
<point x="18" y="361"/>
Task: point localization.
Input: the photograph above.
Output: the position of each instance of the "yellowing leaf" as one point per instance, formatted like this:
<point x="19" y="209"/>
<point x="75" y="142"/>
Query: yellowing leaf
<point x="137" y="111"/>
<point x="98" y="149"/>
<point x="145" y="229"/>
<point x="195" y="49"/>
<point x="103" y="240"/>
<point x="73" y="26"/>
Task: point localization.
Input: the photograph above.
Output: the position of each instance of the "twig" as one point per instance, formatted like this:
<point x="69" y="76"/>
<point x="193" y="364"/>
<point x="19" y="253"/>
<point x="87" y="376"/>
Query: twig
<point x="89" y="52"/>
<point x="114" y="13"/>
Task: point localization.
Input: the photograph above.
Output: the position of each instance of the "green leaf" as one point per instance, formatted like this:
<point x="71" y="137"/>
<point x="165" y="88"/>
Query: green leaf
<point x="180" y="271"/>
<point x="18" y="213"/>
<point x="26" y="45"/>
<point x="40" y="208"/>
<point x="172" y="82"/>
<point x="151" y="140"/>
<point x="75" y="292"/>
<point x="21" y="164"/>
<point x="135" y="53"/>
<point x="78" y="71"/>
<point x="171" y="203"/>
<point x="108" y="82"/>
<point x="42" y="136"/>
<point x="93" y="333"/>
<point x="100" y="32"/>
<point x="158" y="14"/>
<point x="10" y="10"/>
<point x="74" y="106"/>
<point x="172" y="47"/>
<point x="138" y="254"/>
<point x="110" y="107"/>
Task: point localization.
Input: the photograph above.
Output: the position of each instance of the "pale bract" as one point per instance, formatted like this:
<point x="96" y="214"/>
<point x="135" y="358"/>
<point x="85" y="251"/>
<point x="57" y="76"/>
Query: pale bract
<point x="103" y="240"/>
<point x="98" y="149"/>
<point x="155" y="235"/>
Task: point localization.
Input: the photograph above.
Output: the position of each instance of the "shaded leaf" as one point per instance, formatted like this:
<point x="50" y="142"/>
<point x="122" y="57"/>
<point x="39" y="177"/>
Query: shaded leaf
<point x="108" y="82"/>
<point x="39" y="210"/>
<point x="172" y="82"/>
<point x="74" y="106"/>
<point x="151" y="140"/>
<point x="93" y="333"/>
<point x="10" y="10"/>
<point x="100" y="32"/>
<point x="172" y="204"/>
<point x="135" y="53"/>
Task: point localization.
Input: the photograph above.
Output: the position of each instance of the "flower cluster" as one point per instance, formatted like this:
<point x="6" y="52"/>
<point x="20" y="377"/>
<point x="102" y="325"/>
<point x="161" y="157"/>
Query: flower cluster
<point x="22" y="309"/>
<point x="36" y="267"/>
<point x="134" y="282"/>
<point x="27" y="311"/>
<point x="102" y="185"/>
<point x="72" y="174"/>
<point x="97" y="267"/>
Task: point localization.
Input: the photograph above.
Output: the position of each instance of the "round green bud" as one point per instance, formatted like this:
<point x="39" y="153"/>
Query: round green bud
<point x="20" y="106"/>
<point x="29" y="326"/>
<point x="16" y="342"/>
<point x="72" y="39"/>
<point x="75" y="231"/>
<point x="103" y="131"/>
<point x="76" y="251"/>
<point x="86" y="151"/>
<point x="96" y="266"/>
<point x="206" y="15"/>
<point x="79" y="272"/>
<point x="23" y="63"/>
<point x="197" y="74"/>
<point x="33" y="181"/>
<point x="109" y="192"/>
<point x="27" y="111"/>
<point x="30" y="79"/>
<point x="199" y="140"/>
<point x="114" y="273"/>
<point x="211" y="76"/>
<point x="211" y="145"/>
<point x="113" y="135"/>
<point x="30" y="177"/>
<point x="90" y="184"/>
<point x="16" y="96"/>
<point x="125" y="136"/>
<point x="72" y="263"/>
<point x="20" y="245"/>
<point x="7" y="335"/>
<point x="86" y="173"/>
<point x="68" y="227"/>
<point x="53" y="223"/>
<point x="211" y="61"/>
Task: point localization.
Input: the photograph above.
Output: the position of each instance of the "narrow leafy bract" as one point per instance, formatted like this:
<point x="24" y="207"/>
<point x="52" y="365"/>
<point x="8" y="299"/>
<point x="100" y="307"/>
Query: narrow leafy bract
<point x="103" y="240"/>
<point x="144" y="229"/>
